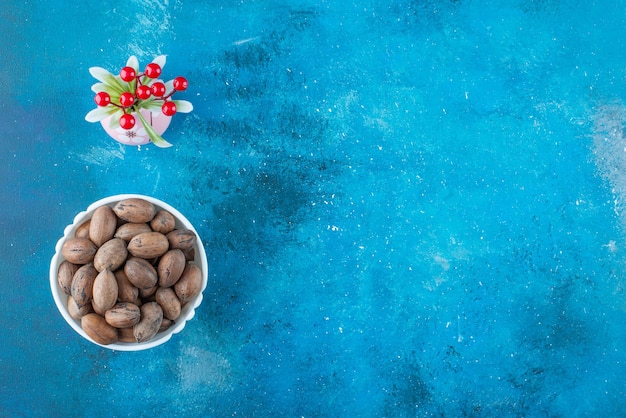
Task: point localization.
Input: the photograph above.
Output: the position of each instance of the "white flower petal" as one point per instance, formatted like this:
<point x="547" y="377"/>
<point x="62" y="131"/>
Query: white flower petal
<point x="183" y="106"/>
<point x="133" y="62"/>
<point x="160" y="60"/>
<point x="99" y="113"/>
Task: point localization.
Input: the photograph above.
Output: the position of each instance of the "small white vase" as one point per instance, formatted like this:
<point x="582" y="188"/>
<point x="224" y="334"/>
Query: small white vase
<point x="137" y="135"/>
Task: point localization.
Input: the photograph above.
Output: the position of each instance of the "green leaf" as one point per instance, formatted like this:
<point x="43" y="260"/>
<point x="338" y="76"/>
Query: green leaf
<point x="107" y="78"/>
<point x="183" y="106"/>
<point x="151" y="105"/>
<point x="99" y="87"/>
<point x="99" y="113"/>
<point x="114" y="122"/>
<point x="154" y="136"/>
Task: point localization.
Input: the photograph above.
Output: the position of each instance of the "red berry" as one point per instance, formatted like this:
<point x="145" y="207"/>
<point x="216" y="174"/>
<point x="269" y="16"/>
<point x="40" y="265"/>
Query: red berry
<point x="168" y="108"/>
<point x="180" y="84"/>
<point x="158" y="89"/>
<point x="127" y="99"/>
<point x="102" y="98"/>
<point x="153" y="70"/>
<point x="127" y="121"/>
<point x="144" y="92"/>
<point x="128" y="74"/>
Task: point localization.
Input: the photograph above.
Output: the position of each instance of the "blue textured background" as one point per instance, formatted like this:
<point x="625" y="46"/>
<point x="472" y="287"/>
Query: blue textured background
<point x="410" y="208"/>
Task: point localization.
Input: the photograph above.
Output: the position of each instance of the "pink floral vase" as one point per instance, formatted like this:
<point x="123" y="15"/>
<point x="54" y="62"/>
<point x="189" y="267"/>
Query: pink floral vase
<point x="138" y="135"/>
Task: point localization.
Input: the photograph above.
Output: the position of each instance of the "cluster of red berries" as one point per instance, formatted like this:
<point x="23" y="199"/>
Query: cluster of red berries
<point x="142" y="92"/>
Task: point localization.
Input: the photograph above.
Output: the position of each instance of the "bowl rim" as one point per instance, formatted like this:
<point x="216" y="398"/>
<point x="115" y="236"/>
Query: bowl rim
<point x="188" y="311"/>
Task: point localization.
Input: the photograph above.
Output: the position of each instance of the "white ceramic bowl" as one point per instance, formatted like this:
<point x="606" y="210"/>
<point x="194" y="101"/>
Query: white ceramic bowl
<point x="188" y="311"/>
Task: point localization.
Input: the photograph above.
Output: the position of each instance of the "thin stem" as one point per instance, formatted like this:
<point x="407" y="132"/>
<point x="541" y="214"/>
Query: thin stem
<point x="169" y="95"/>
<point x="125" y="109"/>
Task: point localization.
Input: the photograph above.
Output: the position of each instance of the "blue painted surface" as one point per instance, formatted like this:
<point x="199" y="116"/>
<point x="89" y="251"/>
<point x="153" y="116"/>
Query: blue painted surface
<point x="410" y="208"/>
